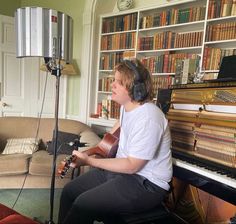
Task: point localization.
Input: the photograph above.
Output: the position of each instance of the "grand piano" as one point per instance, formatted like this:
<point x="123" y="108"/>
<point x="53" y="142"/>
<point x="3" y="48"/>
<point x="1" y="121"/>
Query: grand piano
<point x="202" y="120"/>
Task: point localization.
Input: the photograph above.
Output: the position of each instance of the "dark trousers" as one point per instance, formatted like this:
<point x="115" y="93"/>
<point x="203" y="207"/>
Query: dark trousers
<point x="104" y="196"/>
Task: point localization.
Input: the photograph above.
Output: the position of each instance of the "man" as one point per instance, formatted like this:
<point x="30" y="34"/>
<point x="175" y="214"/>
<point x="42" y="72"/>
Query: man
<point x="137" y="178"/>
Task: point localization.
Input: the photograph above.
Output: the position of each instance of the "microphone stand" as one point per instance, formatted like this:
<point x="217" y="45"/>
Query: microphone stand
<point x="57" y="73"/>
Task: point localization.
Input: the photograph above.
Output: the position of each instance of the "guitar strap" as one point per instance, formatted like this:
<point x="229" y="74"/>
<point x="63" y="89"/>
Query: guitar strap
<point x="122" y="115"/>
<point x="117" y="131"/>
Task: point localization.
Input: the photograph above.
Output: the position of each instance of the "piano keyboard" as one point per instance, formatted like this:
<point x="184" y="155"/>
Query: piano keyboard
<point x="214" y="175"/>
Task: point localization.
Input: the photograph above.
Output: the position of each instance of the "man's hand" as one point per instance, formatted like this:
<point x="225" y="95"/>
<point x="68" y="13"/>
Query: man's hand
<point x="80" y="159"/>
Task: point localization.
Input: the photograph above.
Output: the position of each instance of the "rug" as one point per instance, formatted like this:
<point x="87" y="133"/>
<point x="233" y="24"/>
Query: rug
<point x="33" y="203"/>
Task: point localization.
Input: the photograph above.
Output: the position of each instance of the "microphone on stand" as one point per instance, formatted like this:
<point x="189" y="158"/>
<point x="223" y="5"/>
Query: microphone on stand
<point x="76" y="143"/>
<point x="53" y="29"/>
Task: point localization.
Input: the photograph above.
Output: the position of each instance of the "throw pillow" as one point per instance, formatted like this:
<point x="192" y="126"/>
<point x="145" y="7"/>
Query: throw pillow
<point x="21" y="145"/>
<point x="63" y="140"/>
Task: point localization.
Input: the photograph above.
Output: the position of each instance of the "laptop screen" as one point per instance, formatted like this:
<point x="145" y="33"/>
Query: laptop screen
<point x="228" y="68"/>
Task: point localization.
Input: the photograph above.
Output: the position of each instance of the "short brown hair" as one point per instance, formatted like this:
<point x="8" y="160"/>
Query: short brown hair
<point x="128" y="77"/>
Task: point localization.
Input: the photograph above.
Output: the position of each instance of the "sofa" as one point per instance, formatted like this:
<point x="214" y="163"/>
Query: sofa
<point x="25" y="170"/>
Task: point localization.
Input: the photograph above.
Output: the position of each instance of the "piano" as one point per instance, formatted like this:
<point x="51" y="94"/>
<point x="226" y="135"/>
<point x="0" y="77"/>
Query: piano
<point x="212" y="178"/>
<point x="202" y="121"/>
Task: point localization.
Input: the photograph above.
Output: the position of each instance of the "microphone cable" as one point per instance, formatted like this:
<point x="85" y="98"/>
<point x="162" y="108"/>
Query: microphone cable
<point x="42" y="105"/>
<point x="36" y="136"/>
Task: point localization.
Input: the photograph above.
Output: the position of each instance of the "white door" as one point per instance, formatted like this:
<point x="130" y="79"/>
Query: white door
<point x="22" y="84"/>
<point x="43" y="91"/>
<point x="12" y="81"/>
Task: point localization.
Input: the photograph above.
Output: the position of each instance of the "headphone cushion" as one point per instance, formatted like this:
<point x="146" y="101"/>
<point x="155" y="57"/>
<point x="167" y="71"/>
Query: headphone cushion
<point x="139" y="91"/>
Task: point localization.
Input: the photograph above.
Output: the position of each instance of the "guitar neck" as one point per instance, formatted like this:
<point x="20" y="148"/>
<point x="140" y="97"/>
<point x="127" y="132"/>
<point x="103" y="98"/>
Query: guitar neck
<point x="106" y="148"/>
<point x="95" y="151"/>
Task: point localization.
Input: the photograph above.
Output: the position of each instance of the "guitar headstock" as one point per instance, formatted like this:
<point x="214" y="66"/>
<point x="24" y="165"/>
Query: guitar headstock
<point x="65" y="166"/>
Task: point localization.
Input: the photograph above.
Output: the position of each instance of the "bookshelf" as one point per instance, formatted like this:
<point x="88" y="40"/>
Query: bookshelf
<point x="161" y="37"/>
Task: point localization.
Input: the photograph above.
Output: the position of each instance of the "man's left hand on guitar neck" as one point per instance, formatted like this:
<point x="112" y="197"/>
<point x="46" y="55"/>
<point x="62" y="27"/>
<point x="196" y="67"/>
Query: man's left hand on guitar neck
<point x="80" y="159"/>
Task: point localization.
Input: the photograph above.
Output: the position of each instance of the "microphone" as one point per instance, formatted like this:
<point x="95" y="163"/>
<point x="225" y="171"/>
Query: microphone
<point x="51" y="65"/>
<point x="77" y="143"/>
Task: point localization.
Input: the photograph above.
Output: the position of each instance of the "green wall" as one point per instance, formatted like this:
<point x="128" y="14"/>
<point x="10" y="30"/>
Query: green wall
<point x="73" y="8"/>
<point x="8" y="7"/>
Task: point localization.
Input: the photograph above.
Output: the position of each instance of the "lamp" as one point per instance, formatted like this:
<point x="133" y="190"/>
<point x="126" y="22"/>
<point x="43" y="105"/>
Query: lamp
<point x="67" y="68"/>
<point x="46" y="33"/>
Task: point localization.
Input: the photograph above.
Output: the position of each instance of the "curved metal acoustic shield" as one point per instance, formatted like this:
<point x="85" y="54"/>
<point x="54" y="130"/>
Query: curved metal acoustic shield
<point x="38" y="33"/>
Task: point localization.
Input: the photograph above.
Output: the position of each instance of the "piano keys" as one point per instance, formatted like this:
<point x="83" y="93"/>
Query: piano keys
<point x="212" y="178"/>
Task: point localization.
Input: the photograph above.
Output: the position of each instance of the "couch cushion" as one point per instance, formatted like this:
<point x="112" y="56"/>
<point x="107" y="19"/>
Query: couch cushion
<point x="14" y="164"/>
<point x="28" y="127"/>
<point x="41" y="163"/>
<point x="21" y="145"/>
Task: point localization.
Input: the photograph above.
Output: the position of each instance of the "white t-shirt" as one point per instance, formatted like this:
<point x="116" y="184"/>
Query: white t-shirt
<point x="145" y="135"/>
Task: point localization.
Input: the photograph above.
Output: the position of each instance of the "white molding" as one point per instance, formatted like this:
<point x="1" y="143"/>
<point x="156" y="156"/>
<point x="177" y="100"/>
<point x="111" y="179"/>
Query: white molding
<point x="73" y="117"/>
<point x="86" y="59"/>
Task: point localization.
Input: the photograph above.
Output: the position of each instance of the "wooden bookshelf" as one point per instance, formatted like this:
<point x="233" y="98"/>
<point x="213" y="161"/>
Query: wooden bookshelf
<point x="161" y="37"/>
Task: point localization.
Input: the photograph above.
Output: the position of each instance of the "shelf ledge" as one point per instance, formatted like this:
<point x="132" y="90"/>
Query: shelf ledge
<point x="171" y="26"/>
<point x="220" y="41"/>
<point x="170" y="49"/>
<point x="101" y="122"/>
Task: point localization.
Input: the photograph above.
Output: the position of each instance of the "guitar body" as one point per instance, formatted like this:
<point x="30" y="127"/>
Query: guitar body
<point x="106" y="148"/>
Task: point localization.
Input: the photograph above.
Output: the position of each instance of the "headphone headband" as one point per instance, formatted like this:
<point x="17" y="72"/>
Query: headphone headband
<point x="139" y="88"/>
<point x="132" y="65"/>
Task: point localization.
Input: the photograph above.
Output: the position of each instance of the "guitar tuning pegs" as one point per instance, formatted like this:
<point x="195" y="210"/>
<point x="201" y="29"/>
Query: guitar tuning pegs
<point x="66" y="166"/>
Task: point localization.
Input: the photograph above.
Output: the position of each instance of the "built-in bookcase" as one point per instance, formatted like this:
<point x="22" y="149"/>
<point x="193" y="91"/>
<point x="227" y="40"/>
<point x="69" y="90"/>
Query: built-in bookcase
<point x="161" y="37"/>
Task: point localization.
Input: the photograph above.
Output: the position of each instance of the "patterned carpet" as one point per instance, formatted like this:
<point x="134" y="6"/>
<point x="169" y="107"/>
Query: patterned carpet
<point x="34" y="203"/>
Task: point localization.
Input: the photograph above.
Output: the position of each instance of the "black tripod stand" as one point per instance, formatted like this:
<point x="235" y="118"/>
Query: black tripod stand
<point x="55" y="137"/>
<point x="57" y="72"/>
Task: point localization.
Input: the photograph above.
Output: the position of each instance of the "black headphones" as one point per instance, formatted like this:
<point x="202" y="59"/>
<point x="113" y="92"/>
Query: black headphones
<point x="139" y="89"/>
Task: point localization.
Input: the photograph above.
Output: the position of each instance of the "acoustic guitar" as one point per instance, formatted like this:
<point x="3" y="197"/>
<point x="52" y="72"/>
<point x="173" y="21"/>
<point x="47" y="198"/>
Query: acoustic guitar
<point x="106" y="148"/>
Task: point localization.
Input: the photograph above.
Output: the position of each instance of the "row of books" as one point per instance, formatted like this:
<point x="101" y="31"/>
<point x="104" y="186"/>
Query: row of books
<point x="173" y="16"/>
<point x="170" y="40"/>
<point x="108" y="61"/>
<point x="105" y="83"/>
<point x="221" y="31"/>
<point x="212" y="57"/>
<point x="165" y="63"/>
<point x="161" y="82"/>
<point x="221" y="8"/>
<point x="118" y="41"/>
<point x="108" y="109"/>
<point x="120" y="23"/>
